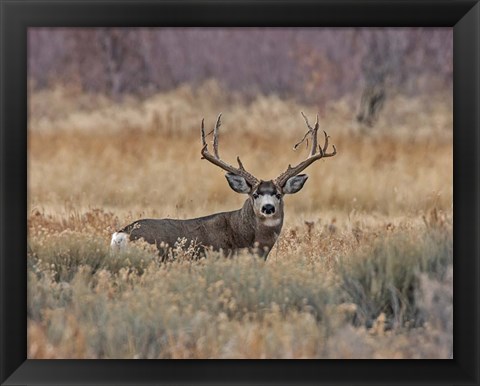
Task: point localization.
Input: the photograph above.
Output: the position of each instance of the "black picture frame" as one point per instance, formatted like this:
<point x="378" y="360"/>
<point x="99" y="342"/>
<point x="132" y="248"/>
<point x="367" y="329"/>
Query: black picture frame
<point x="16" y="16"/>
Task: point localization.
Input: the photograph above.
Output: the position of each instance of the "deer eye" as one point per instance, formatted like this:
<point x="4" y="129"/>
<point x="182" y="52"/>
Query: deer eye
<point x="278" y="195"/>
<point x="255" y="196"/>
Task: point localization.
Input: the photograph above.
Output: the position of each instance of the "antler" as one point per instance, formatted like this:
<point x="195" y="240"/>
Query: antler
<point x="313" y="156"/>
<point x="215" y="159"/>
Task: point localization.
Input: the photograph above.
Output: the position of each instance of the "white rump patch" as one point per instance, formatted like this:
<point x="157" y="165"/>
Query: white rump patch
<point x="119" y="241"/>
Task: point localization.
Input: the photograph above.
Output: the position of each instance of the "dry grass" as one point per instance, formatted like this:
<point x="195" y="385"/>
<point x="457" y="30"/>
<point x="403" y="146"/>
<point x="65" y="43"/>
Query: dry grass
<point x="363" y="259"/>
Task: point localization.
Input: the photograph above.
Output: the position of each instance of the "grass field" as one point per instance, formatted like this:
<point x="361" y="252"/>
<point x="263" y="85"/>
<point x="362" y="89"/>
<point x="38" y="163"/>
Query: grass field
<point x="362" y="269"/>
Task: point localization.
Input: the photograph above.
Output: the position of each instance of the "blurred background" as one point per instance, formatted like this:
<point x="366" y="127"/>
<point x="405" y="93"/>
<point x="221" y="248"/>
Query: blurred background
<point x="136" y="96"/>
<point x="312" y="65"/>
<point x="363" y="266"/>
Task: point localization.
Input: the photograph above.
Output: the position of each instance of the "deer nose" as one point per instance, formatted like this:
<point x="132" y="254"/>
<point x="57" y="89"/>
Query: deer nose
<point x="268" y="209"/>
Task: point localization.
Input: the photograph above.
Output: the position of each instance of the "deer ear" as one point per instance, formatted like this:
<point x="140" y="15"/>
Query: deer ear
<point x="294" y="184"/>
<point x="238" y="183"/>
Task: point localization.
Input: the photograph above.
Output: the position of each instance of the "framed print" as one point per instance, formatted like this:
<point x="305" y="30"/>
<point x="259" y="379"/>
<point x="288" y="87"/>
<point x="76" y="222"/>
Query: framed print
<point x="345" y="228"/>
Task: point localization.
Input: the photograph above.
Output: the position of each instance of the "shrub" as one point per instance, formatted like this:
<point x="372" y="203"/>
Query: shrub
<point x="386" y="278"/>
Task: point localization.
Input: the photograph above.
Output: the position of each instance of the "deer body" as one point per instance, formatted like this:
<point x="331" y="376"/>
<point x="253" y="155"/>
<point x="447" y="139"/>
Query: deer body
<point x="225" y="231"/>
<point x="256" y="226"/>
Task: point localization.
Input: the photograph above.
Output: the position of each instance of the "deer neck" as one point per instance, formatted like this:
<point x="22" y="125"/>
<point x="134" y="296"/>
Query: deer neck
<point x="262" y="231"/>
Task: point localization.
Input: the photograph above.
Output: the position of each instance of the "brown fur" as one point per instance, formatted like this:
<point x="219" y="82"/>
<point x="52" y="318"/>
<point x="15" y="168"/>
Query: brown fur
<point x="226" y="231"/>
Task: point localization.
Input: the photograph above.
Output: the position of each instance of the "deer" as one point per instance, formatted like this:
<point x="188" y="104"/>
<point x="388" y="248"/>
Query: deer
<point x="254" y="227"/>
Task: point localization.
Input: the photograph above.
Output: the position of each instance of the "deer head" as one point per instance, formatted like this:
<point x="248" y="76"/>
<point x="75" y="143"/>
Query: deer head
<point x="267" y="196"/>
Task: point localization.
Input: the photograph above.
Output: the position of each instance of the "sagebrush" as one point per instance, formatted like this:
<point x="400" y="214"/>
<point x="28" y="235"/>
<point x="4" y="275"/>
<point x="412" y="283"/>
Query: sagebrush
<point x="362" y="269"/>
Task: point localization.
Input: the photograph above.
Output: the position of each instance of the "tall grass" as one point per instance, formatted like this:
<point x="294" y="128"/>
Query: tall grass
<point x="135" y="306"/>
<point x="362" y="268"/>
<point x="386" y="279"/>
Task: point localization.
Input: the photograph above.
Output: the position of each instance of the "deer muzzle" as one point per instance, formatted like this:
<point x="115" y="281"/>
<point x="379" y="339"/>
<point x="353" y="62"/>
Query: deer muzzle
<point x="268" y="209"/>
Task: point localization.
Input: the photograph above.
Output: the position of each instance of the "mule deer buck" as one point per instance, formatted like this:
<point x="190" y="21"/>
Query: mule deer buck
<point x="255" y="226"/>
